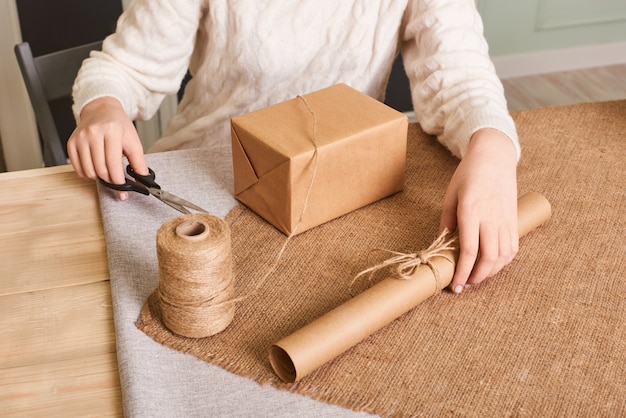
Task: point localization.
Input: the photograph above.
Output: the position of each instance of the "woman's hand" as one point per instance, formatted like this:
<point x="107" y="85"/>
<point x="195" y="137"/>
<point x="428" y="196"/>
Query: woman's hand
<point x="103" y="135"/>
<point x="481" y="205"/>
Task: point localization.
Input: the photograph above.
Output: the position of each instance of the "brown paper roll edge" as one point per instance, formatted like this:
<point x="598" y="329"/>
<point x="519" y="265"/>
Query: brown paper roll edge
<point x="300" y="353"/>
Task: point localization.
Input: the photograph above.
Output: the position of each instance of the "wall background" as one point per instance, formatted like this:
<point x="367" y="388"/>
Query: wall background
<point x="514" y="27"/>
<point x="542" y="36"/>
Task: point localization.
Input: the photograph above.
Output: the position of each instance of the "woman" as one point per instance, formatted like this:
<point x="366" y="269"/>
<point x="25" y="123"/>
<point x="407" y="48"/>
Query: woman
<point x="247" y="55"/>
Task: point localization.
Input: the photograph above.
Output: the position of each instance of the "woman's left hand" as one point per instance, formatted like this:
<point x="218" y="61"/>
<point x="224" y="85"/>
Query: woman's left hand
<point x="481" y="205"/>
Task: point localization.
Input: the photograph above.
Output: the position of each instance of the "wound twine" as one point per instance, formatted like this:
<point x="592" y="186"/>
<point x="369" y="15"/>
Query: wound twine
<point x="195" y="275"/>
<point x="195" y="267"/>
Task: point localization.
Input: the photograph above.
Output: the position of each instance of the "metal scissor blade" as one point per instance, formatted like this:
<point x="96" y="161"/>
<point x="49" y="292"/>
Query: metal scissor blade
<point x="176" y="202"/>
<point x="158" y="194"/>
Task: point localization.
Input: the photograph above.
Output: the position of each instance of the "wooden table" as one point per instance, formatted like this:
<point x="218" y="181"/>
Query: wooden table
<point x="57" y="340"/>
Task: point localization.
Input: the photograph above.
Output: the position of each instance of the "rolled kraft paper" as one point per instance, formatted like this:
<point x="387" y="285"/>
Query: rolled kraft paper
<point x="340" y="329"/>
<point x="195" y="275"/>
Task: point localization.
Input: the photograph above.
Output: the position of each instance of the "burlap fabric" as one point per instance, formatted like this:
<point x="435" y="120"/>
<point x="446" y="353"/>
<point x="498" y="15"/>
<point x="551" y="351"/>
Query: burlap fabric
<point x="545" y="337"/>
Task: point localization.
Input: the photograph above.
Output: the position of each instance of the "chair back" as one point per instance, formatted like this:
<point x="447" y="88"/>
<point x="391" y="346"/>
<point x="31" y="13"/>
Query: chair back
<point x="50" y="77"/>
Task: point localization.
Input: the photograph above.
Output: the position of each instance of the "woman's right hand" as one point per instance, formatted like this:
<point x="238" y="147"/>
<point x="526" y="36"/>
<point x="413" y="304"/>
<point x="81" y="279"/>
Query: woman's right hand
<point x="104" y="134"/>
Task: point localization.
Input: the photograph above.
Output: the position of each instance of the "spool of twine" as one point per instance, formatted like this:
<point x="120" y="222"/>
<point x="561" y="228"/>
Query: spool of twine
<point x="195" y="267"/>
<point x="195" y="275"/>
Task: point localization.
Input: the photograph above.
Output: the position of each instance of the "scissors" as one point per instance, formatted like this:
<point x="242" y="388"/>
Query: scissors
<point x="147" y="186"/>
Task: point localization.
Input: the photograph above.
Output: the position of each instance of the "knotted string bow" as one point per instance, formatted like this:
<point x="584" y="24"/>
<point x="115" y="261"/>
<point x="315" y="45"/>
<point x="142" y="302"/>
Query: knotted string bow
<point x="403" y="265"/>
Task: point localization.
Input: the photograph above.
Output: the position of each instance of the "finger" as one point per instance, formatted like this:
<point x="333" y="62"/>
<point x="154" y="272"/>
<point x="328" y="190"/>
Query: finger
<point x="448" y="215"/>
<point x="468" y="252"/>
<point x="489" y="259"/>
<point x="112" y="159"/>
<point x="509" y="246"/>
<point x="121" y="195"/>
<point x="98" y="154"/>
<point x="98" y="158"/>
<point x="514" y="241"/>
<point x="489" y="255"/>
<point x="503" y="252"/>
<point x="135" y="155"/>
<point x="72" y="152"/>
<point x="86" y="162"/>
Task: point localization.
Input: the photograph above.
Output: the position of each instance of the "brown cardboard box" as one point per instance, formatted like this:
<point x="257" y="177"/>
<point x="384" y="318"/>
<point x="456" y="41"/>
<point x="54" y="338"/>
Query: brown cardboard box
<point x="361" y="157"/>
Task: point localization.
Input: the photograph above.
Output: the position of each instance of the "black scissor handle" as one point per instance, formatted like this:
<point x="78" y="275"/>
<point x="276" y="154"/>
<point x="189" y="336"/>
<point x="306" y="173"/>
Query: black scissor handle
<point x="147" y="180"/>
<point x="129" y="186"/>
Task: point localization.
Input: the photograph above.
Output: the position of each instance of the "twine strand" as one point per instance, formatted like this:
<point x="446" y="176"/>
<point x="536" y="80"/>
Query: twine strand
<point x="404" y="265"/>
<point x="305" y="204"/>
<point x="230" y="301"/>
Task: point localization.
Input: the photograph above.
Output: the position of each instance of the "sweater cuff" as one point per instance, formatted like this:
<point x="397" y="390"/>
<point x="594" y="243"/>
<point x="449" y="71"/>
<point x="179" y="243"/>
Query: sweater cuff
<point x="476" y="121"/>
<point x="84" y="95"/>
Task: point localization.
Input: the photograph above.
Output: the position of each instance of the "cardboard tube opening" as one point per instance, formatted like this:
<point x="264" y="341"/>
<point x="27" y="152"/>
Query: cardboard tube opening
<point x="192" y="230"/>
<point x="282" y="364"/>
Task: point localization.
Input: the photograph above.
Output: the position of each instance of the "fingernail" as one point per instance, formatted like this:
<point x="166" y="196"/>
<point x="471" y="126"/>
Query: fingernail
<point x="467" y="286"/>
<point x="458" y="288"/>
<point x="123" y="196"/>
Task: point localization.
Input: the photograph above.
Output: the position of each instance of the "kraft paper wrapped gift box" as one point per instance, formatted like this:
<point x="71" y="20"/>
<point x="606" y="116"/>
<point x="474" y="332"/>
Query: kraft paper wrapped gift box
<point x="361" y="157"/>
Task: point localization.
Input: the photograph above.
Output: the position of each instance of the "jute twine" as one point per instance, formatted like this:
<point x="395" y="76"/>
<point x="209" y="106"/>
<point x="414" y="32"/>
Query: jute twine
<point x="195" y="275"/>
<point x="403" y="265"/>
<point x="195" y="267"/>
<point x="304" y="205"/>
<point x="280" y="253"/>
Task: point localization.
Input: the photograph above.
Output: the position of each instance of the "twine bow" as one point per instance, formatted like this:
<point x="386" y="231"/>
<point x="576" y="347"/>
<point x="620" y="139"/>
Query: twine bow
<point x="403" y="265"/>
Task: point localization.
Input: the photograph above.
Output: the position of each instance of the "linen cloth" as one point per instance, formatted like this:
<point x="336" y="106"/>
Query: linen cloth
<point x="157" y="381"/>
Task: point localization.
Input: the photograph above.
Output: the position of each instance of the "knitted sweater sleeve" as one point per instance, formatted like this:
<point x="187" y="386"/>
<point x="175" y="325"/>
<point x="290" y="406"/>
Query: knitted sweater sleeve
<point x="454" y="87"/>
<point x="144" y="60"/>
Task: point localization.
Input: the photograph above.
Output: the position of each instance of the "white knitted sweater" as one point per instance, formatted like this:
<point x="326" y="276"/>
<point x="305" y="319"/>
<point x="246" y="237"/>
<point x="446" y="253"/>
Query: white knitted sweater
<point x="247" y="54"/>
